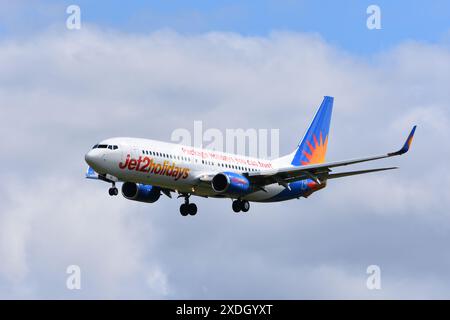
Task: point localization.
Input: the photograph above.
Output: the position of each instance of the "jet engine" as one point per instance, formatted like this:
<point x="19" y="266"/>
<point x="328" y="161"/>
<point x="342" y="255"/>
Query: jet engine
<point x="140" y="192"/>
<point x="230" y="183"/>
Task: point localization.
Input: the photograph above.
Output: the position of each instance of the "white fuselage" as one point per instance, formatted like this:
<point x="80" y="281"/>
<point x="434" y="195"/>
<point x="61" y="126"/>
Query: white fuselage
<point x="174" y="166"/>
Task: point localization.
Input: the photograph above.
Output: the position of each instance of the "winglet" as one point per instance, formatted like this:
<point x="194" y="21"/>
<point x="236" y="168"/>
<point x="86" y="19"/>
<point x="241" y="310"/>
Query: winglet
<point x="407" y="144"/>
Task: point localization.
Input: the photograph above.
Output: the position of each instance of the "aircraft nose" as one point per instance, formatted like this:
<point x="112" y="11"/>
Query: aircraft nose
<point x="91" y="157"/>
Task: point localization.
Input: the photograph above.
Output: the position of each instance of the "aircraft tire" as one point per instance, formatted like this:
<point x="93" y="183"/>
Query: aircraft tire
<point x="236" y="206"/>
<point x="184" y="210"/>
<point x="245" y="206"/>
<point x="192" y="209"/>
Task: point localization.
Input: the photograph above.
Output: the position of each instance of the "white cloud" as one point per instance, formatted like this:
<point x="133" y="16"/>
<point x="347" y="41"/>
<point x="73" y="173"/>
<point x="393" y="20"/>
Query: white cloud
<point x="59" y="222"/>
<point x="61" y="93"/>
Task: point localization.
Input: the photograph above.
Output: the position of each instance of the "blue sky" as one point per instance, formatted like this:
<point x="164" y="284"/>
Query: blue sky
<point x="341" y="23"/>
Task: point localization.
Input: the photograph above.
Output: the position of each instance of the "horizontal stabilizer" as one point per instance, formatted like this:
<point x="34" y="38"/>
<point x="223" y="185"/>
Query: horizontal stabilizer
<point x="354" y="173"/>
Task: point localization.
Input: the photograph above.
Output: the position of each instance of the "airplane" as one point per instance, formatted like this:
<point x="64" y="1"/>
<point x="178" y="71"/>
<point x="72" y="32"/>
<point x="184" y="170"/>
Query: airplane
<point x="148" y="168"/>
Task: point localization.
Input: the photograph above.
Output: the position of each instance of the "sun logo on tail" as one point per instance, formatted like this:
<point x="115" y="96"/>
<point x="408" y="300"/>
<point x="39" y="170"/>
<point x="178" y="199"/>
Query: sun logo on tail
<point x="318" y="151"/>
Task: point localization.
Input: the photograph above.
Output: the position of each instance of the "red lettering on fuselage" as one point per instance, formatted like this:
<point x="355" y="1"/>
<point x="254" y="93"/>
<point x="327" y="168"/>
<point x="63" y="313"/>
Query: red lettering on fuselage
<point x="147" y="165"/>
<point x="132" y="164"/>
<point x="124" y="165"/>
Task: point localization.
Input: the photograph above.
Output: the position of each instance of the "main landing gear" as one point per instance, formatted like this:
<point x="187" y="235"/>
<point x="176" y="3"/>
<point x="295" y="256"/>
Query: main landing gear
<point x="241" y="205"/>
<point x="113" y="190"/>
<point x="188" y="208"/>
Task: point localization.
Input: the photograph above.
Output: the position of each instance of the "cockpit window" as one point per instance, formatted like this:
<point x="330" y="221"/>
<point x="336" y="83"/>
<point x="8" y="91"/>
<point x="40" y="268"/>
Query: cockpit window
<point x="104" y="146"/>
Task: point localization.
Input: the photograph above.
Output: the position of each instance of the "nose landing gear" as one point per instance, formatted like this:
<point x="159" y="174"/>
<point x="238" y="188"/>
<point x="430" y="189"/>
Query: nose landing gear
<point x="113" y="191"/>
<point x="188" y="208"/>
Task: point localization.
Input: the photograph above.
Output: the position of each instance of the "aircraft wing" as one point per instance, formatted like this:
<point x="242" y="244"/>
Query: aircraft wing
<point x="318" y="172"/>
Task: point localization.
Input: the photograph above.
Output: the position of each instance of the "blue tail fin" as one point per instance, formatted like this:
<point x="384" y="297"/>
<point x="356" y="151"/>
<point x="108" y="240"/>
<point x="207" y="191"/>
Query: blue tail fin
<point x="313" y="147"/>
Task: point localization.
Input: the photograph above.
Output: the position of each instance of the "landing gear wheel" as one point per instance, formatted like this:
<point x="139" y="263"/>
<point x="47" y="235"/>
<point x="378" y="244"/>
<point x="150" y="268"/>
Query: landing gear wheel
<point x="192" y="209"/>
<point x="236" y="206"/>
<point x="245" y="206"/>
<point x="187" y="208"/>
<point x="184" y="209"/>
<point x="113" y="191"/>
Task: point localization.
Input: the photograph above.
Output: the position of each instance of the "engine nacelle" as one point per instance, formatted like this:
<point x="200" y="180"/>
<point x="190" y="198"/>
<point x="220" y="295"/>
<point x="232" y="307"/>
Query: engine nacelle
<point x="230" y="183"/>
<point x="140" y="192"/>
